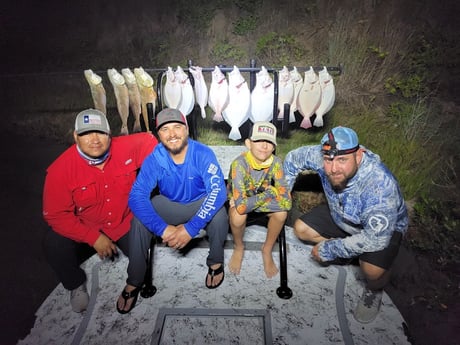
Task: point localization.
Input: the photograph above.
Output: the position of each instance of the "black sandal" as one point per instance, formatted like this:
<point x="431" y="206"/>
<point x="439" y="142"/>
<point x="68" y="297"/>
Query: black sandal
<point x="126" y="296"/>
<point x="213" y="273"/>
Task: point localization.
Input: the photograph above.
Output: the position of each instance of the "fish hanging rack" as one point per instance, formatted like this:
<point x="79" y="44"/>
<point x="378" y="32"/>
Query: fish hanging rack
<point x="283" y="124"/>
<point x="283" y="291"/>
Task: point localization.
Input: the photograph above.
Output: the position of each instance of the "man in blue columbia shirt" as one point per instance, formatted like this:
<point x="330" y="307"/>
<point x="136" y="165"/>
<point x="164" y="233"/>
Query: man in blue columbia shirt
<point x="191" y="196"/>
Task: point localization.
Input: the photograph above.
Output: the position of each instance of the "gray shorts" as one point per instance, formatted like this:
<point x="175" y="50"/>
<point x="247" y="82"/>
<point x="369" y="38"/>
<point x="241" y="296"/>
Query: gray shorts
<point x="320" y="219"/>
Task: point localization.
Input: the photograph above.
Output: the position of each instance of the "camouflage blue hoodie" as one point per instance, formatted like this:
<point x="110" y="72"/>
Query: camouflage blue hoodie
<point x="370" y="208"/>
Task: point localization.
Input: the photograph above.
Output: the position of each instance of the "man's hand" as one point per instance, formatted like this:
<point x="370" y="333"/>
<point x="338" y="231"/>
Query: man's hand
<point x="176" y="236"/>
<point x="315" y="253"/>
<point x="168" y="233"/>
<point x="104" y="246"/>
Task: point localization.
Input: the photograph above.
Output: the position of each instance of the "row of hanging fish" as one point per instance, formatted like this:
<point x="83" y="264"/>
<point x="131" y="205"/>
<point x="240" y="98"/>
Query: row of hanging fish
<point x="132" y="91"/>
<point x="230" y="100"/>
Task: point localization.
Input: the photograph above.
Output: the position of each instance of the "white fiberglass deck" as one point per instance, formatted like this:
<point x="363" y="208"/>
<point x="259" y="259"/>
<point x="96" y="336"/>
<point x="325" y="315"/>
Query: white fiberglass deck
<point x="245" y="309"/>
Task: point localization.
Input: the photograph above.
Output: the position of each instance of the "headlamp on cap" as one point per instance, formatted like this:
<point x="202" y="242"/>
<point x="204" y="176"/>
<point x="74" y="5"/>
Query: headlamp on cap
<point x="330" y="147"/>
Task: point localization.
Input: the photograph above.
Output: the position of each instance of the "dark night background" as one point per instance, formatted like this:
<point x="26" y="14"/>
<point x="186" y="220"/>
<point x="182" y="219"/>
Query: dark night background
<point x="64" y="38"/>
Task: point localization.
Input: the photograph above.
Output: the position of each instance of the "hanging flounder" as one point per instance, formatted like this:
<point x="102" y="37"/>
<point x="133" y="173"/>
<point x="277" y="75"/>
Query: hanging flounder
<point x="237" y="110"/>
<point x="172" y="92"/>
<point x="187" y="101"/>
<point x="262" y="97"/>
<point x="134" y="98"/>
<point x="148" y="94"/>
<point x="285" y="93"/>
<point x="327" y="96"/>
<point x="218" y="94"/>
<point x="121" y="96"/>
<point x="97" y="91"/>
<point x="201" y="90"/>
<point x="309" y="97"/>
<point x="297" y="80"/>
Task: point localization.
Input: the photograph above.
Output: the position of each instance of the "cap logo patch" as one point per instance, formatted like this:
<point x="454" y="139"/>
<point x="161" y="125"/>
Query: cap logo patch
<point x="92" y="120"/>
<point x="265" y="129"/>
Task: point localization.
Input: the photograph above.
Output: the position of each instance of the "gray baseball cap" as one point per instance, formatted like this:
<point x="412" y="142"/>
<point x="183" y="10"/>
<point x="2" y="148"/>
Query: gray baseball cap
<point x="170" y="115"/>
<point x="90" y="120"/>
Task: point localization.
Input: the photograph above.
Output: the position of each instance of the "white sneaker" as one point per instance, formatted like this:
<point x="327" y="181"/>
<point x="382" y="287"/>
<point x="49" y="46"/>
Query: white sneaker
<point x="79" y="298"/>
<point x="368" y="306"/>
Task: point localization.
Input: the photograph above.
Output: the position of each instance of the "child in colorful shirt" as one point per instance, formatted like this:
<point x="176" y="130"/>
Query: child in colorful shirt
<point x="256" y="184"/>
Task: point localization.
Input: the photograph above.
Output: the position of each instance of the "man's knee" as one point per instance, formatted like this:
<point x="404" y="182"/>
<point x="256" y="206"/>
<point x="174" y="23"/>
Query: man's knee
<point x="139" y="236"/>
<point x="219" y="222"/>
<point x="303" y="231"/>
<point x="376" y="277"/>
<point x="55" y="244"/>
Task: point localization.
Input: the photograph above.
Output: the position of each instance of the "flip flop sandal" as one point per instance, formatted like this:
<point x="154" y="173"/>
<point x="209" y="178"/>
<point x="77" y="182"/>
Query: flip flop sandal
<point x="126" y="296"/>
<point x="213" y="273"/>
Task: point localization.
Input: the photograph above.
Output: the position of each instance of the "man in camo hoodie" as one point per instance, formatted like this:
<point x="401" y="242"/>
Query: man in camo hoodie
<point x="365" y="215"/>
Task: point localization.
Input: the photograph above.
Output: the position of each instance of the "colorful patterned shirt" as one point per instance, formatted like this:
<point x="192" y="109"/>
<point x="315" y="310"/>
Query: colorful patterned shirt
<point x="254" y="190"/>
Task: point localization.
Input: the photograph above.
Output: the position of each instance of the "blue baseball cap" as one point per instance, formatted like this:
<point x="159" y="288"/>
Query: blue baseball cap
<point x="339" y="141"/>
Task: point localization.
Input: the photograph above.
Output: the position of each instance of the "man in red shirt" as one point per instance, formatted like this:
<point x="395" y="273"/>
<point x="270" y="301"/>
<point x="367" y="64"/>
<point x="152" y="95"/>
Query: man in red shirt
<point x="85" y="199"/>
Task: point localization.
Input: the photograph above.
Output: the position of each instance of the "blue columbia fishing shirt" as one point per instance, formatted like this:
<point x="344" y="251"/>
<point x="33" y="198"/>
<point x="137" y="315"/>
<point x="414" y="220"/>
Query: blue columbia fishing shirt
<point x="200" y="176"/>
<point x="370" y="208"/>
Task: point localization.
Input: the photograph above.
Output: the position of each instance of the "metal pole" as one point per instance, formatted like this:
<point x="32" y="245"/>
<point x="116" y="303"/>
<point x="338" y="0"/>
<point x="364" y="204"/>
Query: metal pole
<point x="148" y="289"/>
<point x="159" y="91"/>
<point x="252" y="75"/>
<point x="283" y="291"/>
<point x="275" y="98"/>
<point x="285" y="123"/>
<point x="151" y="115"/>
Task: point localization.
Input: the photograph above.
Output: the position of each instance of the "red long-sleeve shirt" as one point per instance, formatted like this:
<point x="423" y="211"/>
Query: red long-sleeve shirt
<point x="80" y="200"/>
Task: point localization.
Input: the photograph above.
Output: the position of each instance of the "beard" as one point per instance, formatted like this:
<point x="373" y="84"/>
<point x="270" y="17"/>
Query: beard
<point x="338" y="187"/>
<point x="179" y="149"/>
<point x="338" y="184"/>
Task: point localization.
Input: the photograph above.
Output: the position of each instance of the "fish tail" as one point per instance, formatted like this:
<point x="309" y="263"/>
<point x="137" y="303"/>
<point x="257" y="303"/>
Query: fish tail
<point x="124" y="130"/>
<point x="137" y="125"/>
<point x="318" y="121"/>
<point x="234" y="134"/>
<point x="306" y="123"/>
<point x="218" y="117"/>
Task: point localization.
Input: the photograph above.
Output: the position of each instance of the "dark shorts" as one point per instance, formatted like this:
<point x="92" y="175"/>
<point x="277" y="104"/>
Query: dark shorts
<point x="319" y="219"/>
